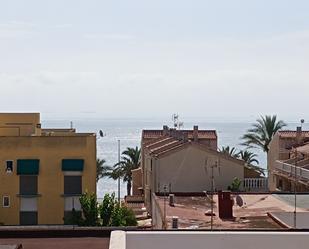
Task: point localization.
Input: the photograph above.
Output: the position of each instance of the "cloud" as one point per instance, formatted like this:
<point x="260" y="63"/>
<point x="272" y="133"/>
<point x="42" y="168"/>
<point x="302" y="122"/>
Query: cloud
<point x="98" y="36"/>
<point x="15" y="29"/>
<point x="21" y="29"/>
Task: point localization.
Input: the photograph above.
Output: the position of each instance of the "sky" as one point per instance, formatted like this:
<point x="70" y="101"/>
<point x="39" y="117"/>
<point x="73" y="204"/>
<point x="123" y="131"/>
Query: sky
<point x="144" y="59"/>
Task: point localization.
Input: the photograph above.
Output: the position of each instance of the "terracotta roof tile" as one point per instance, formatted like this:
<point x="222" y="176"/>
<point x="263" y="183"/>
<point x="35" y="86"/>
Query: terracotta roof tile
<point x="166" y="148"/>
<point x="202" y="134"/>
<point x="162" y="145"/>
<point x="292" y="134"/>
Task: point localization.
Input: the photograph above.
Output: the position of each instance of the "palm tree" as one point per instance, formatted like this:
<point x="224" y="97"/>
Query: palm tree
<point x="130" y="160"/>
<point x="231" y="151"/>
<point x="248" y="156"/>
<point x="262" y="132"/>
<point x="103" y="170"/>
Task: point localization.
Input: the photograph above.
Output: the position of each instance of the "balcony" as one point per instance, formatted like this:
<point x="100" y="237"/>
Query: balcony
<point x="292" y="171"/>
<point x="256" y="184"/>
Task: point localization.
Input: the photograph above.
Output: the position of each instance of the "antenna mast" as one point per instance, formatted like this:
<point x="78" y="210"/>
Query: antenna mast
<point x="176" y="123"/>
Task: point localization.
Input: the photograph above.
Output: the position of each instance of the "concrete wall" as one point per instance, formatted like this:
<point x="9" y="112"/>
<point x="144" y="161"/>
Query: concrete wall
<point x="137" y="181"/>
<point x="19" y="124"/>
<point x="50" y="151"/>
<point x="189" y="170"/>
<point x="211" y="143"/>
<point x="272" y="157"/>
<point x="156" y="214"/>
<point x="251" y="173"/>
<point x="208" y="240"/>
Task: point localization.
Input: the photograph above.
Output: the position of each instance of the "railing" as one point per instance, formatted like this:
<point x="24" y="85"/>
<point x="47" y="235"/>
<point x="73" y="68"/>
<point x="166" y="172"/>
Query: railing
<point x="256" y="184"/>
<point x="293" y="170"/>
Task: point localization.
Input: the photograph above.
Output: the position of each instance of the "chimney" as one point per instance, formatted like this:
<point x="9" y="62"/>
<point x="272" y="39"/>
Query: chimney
<point x="185" y="137"/>
<point x="195" y="133"/>
<point x="165" y="130"/>
<point x="298" y="134"/>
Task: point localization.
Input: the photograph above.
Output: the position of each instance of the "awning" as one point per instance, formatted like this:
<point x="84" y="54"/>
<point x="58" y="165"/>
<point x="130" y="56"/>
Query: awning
<point x="28" y="166"/>
<point x="72" y="165"/>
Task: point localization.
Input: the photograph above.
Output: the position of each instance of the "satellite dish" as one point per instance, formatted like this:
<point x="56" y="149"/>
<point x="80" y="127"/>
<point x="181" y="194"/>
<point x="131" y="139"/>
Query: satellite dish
<point x="239" y="201"/>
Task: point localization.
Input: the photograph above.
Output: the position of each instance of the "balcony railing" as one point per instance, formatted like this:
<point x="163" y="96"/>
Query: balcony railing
<point x="256" y="184"/>
<point x="292" y="170"/>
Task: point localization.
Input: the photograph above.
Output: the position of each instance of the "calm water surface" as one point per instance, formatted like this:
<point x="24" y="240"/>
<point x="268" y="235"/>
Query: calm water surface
<point x="128" y="131"/>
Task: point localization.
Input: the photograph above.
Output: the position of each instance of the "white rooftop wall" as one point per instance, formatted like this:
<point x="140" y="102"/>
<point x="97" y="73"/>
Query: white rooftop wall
<point x="210" y="240"/>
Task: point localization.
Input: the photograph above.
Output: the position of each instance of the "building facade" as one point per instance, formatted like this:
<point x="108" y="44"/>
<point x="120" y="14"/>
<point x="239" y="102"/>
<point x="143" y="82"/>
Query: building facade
<point x="42" y="171"/>
<point x="288" y="161"/>
<point x="184" y="161"/>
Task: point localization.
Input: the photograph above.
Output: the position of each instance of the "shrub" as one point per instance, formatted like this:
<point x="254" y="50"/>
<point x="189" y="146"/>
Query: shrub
<point x="128" y="217"/>
<point x="123" y="216"/>
<point x="106" y="209"/>
<point x="74" y="218"/>
<point x="89" y="207"/>
<point x="110" y="211"/>
<point x="235" y="185"/>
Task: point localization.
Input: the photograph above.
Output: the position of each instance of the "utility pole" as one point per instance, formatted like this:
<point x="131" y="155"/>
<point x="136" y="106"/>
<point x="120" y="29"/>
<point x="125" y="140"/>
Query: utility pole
<point x="119" y="176"/>
<point x="164" y="210"/>
<point x="212" y="194"/>
<point x="212" y="178"/>
<point x="302" y="121"/>
<point x="295" y="181"/>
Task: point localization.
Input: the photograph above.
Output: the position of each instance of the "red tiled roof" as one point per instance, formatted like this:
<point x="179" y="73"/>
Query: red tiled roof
<point x="292" y="134"/>
<point x="173" y="144"/>
<point x="165" y="147"/>
<point x="157" y="146"/>
<point x="202" y="134"/>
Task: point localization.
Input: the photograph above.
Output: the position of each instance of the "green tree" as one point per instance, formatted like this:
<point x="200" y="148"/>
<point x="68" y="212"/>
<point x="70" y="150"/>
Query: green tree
<point x="231" y="151"/>
<point x="248" y="156"/>
<point x="106" y="209"/>
<point x="235" y="186"/>
<point x="103" y="170"/>
<point x="129" y="161"/>
<point x="89" y="207"/>
<point x="262" y="132"/>
<point x="123" y="216"/>
<point x="74" y="218"/>
<point x="128" y="217"/>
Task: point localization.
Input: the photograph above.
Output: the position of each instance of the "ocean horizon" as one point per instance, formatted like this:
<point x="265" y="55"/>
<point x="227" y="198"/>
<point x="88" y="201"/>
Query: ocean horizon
<point x="129" y="130"/>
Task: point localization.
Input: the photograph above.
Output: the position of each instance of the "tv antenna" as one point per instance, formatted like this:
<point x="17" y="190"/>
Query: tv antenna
<point x="176" y="123"/>
<point x="212" y="166"/>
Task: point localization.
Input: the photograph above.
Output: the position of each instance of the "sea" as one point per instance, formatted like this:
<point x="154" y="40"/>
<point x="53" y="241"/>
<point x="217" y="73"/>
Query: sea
<point x="128" y="131"/>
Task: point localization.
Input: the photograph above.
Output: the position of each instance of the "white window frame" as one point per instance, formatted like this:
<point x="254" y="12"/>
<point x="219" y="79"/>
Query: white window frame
<point x="6" y="166"/>
<point x="6" y="196"/>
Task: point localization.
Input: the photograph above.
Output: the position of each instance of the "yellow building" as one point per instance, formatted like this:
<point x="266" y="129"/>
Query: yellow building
<point x="42" y="171"/>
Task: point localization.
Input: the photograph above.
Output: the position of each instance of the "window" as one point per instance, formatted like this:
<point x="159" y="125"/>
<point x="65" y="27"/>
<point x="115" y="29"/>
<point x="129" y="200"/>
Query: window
<point x="6" y="201"/>
<point x="28" y="185"/>
<point x="9" y="166"/>
<point x="72" y="185"/>
<point x="28" y="214"/>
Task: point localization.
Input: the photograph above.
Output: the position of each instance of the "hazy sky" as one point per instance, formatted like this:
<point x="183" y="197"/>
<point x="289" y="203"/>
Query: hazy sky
<point x="153" y="58"/>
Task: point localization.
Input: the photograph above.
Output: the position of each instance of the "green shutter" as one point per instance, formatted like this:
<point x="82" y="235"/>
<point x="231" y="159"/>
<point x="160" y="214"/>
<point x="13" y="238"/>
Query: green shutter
<point x="72" y="165"/>
<point x="28" y="166"/>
